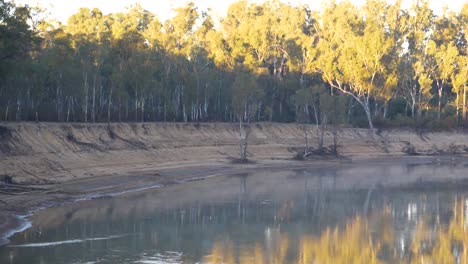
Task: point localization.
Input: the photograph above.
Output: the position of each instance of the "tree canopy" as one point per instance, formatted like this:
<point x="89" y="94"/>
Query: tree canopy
<point x="384" y="62"/>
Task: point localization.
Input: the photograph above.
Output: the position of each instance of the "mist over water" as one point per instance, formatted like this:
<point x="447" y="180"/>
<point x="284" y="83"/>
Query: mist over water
<point x="349" y="214"/>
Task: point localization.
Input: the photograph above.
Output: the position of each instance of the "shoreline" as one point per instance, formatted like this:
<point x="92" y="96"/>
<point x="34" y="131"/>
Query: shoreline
<point x="55" y="163"/>
<point x="15" y="220"/>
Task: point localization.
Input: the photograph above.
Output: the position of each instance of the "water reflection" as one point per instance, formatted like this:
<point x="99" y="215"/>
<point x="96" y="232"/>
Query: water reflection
<point x="352" y="214"/>
<point x="365" y="241"/>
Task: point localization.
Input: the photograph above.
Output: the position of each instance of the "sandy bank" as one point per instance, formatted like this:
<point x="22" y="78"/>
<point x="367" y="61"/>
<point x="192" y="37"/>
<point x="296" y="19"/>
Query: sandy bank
<point x="50" y="153"/>
<point x="72" y="161"/>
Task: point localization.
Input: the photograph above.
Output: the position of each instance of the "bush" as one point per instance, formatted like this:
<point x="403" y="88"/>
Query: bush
<point x="396" y="108"/>
<point x="399" y="121"/>
<point x="427" y="123"/>
<point x="447" y="123"/>
<point x="410" y="149"/>
<point x="449" y="110"/>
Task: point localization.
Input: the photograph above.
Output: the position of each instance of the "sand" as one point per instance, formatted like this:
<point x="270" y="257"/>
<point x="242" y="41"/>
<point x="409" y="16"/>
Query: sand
<point x="68" y="162"/>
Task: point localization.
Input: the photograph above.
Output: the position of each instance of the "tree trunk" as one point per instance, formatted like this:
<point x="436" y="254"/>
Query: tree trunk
<point x="385" y="110"/>
<point x="419" y="105"/>
<point x="244" y="132"/>
<point x="350" y="108"/>
<point x="6" y="110"/>
<point x="319" y="129"/>
<point x="365" y="105"/>
<point x="93" y="110"/>
<point x="439" y="108"/>
<point x="376" y="109"/>
<point x="440" y="90"/>
<point x="86" y="97"/>
<point x="142" y="110"/>
<point x="457" y="102"/>
<point x="68" y="110"/>
<point x="126" y="110"/>
<point x="120" y="109"/>
<point x="136" y="103"/>
<point x="109" y="104"/>
<point x="369" y="117"/>
<point x="18" y="109"/>
<point x="271" y="109"/>
<point x="73" y="109"/>
<point x="241" y="140"/>
<point x="464" y="103"/>
<point x="306" y="137"/>
<point x="335" y="140"/>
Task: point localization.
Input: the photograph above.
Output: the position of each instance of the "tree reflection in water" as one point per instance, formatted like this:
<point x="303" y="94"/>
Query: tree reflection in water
<point x="355" y="214"/>
<point x="361" y="240"/>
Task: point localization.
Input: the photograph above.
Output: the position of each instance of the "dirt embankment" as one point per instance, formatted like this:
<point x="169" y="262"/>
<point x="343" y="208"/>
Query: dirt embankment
<point x="55" y="163"/>
<point x="55" y="153"/>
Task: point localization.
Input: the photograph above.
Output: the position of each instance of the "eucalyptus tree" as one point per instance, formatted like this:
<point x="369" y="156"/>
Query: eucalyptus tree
<point x="16" y="37"/>
<point x="394" y="22"/>
<point x="460" y="78"/>
<point x="91" y="36"/>
<point x="127" y="41"/>
<point x="420" y="33"/>
<point x="333" y="111"/>
<point x="17" y="44"/>
<point x="245" y="95"/>
<point x="132" y="66"/>
<point x="446" y="56"/>
<point x="203" y="69"/>
<point x="177" y="41"/>
<point x="57" y="55"/>
<point x="303" y="99"/>
<point x="267" y="39"/>
<point x="444" y="49"/>
<point x="352" y="50"/>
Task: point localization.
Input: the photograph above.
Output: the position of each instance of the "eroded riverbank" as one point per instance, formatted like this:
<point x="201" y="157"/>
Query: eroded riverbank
<point x="50" y="153"/>
<point x="66" y="162"/>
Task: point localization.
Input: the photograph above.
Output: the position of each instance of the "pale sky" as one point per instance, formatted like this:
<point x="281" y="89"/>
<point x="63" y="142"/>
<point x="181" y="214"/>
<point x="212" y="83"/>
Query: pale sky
<point x="62" y="9"/>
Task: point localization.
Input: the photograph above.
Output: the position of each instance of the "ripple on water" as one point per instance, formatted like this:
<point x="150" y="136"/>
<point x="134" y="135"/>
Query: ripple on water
<point x="63" y="242"/>
<point x="167" y="257"/>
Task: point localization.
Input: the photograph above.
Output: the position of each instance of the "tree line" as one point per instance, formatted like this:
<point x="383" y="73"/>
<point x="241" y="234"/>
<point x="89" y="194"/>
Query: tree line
<point x="272" y="61"/>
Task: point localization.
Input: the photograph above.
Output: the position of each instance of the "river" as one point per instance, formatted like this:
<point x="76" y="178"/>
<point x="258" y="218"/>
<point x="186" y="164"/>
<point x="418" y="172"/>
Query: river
<point x="372" y="213"/>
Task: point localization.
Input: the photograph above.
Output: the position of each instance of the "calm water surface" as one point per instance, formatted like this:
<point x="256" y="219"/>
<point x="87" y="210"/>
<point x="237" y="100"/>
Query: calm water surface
<point x="351" y="214"/>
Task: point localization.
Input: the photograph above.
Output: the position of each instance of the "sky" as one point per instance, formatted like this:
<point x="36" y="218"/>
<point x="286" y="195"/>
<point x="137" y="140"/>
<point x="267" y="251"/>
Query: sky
<point x="62" y="9"/>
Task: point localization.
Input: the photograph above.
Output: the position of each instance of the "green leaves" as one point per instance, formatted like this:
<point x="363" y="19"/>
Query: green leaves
<point x="266" y="55"/>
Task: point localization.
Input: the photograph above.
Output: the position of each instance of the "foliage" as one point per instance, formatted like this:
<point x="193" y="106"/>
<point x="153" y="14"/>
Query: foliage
<point x="377" y="64"/>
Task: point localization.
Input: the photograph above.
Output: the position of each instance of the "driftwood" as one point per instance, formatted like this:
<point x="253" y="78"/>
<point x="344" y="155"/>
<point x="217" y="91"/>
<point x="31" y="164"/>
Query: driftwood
<point x="6" y="179"/>
<point x="19" y="189"/>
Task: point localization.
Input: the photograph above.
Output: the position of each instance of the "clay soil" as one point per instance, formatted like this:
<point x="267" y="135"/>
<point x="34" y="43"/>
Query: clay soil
<point x="52" y="164"/>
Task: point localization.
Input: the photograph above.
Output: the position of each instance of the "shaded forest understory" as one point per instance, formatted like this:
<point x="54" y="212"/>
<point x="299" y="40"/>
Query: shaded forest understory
<point x="375" y="65"/>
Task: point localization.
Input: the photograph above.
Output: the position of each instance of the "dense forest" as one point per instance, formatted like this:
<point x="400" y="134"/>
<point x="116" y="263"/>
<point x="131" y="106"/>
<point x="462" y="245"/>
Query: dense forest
<point x="374" y="65"/>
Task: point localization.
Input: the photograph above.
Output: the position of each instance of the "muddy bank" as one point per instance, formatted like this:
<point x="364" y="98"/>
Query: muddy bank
<point x="76" y="161"/>
<point x="47" y="153"/>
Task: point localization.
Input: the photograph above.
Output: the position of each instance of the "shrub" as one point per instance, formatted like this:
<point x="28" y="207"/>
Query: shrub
<point x="410" y="149"/>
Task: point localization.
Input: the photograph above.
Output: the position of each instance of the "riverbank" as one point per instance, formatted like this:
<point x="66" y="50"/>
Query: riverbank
<point x="51" y="153"/>
<point x="59" y="163"/>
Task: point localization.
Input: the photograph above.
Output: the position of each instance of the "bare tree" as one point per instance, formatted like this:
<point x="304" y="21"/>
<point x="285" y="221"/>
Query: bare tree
<point x="244" y="103"/>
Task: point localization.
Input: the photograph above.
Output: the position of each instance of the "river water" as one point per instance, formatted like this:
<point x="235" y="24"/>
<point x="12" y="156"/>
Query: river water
<point x="374" y="213"/>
